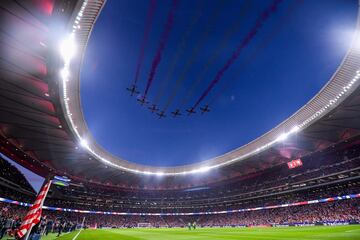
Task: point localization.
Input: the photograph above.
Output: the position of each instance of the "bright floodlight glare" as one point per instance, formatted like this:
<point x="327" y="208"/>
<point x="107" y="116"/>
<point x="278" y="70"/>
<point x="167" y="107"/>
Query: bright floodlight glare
<point x="203" y="169"/>
<point x="282" y="137"/>
<point x="159" y="174"/>
<point x="68" y="48"/>
<point x="295" y="129"/>
<point x="84" y="143"/>
<point x="64" y="73"/>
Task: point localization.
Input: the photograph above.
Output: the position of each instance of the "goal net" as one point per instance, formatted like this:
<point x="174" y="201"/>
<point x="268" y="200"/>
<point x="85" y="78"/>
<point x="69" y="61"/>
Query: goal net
<point x="144" y="225"/>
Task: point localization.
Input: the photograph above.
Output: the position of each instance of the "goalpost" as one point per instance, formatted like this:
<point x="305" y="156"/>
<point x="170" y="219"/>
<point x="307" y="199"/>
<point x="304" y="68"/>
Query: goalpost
<point x="144" y="225"/>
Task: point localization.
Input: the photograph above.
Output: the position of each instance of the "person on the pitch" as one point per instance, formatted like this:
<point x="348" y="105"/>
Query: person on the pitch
<point x="6" y="225"/>
<point x="61" y="227"/>
<point x="194" y="225"/>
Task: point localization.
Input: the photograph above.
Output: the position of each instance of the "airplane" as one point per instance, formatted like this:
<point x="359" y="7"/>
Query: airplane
<point x="191" y="111"/>
<point x="132" y="90"/>
<point x="176" y="113"/>
<point x="205" y="109"/>
<point x="153" y="108"/>
<point x="142" y="100"/>
<point x="161" y="114"/>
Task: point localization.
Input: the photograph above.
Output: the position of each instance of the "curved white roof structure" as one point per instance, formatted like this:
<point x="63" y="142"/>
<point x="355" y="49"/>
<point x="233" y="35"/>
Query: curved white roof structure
<point x="343" y="82"/>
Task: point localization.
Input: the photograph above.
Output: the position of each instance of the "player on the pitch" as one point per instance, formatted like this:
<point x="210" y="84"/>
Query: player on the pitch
<point x="194" y="225"/>
<point x="189" y="225"/>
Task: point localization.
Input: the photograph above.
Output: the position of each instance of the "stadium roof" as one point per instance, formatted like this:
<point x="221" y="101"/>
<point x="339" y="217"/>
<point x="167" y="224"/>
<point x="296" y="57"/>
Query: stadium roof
<point x="42" y="125"/>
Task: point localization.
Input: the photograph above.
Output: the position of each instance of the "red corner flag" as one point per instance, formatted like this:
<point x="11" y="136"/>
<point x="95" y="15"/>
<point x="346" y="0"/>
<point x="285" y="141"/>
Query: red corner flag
<point x="33" y="216"/>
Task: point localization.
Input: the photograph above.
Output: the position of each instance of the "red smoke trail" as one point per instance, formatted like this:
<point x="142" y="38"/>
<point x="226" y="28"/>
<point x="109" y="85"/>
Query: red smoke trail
<point x="164" y="37"/>
<point x="180" y="49"/>
<point x="149" y="20"/>
<point x="228" y="34"/>
<point x="260" y="21"/>
<point x="277" y="27"/>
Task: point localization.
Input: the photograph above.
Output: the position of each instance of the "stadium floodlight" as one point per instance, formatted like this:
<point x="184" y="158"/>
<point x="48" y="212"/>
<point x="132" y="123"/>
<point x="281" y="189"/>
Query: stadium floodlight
<point x="160" y="174"/>
<point x="64" y="73"/>
<point x="203" y="169"/>
<point x="84" y="143"/>
<point x="282" y="137"/>
<point x="68" y="48"/>
<point x="295" y="129"/>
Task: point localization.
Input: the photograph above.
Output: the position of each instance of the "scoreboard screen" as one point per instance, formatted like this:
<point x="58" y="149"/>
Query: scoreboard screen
<point x="295" y="163"/>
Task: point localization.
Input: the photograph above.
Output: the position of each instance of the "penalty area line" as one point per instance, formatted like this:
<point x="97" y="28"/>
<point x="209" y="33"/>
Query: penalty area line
<point x="77" y="234"/>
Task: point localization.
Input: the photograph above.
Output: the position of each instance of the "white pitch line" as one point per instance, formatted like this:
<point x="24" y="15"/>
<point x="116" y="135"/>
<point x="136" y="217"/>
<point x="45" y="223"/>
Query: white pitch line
<point x="77" y="234"/>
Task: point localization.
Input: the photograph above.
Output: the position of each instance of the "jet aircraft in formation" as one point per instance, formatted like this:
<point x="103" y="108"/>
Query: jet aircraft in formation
<point x="161" y="114"/>
<point x="153" y="108"/>
<point x="142" y="100"/>
<point x="176" y="113"/>
<point x="205" y="109"/>
<point x="191" y="111"/>
<point x="133" y="91"/>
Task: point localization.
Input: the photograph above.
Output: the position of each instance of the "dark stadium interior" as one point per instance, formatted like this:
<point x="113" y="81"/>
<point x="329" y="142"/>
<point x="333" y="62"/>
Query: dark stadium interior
<point x="37" y="132"/>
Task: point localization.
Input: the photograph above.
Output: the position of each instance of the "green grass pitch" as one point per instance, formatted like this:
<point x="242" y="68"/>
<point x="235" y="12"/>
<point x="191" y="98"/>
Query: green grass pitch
<point x="290" y="233"/>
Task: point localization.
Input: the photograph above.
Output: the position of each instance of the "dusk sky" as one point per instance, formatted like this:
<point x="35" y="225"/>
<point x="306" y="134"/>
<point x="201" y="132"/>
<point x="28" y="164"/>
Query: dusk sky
<point x="293" y="54"/>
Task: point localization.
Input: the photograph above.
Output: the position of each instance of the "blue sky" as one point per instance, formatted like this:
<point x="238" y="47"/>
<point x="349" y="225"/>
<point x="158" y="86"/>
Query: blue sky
<point x="292" y="56"/>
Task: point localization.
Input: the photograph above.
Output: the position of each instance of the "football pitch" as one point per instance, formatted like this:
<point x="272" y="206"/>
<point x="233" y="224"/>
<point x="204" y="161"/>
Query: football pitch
<point x="298" y="233"/>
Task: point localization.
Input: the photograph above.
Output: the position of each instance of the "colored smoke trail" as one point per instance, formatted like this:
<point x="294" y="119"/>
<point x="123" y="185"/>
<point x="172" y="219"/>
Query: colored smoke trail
<point x="180" y="49"/>
<point x="148" y="24"/>
<point x="259" y="23"/>
<point x="233" y="29"/>
<point x="163" y="39"/>
<point x="262" y="45"/>
<point x="196" y="50"/>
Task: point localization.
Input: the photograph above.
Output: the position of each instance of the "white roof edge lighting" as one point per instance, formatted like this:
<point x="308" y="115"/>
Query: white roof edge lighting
<point x="344" y="81"/>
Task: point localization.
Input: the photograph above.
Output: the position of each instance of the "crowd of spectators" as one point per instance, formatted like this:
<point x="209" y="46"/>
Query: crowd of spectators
<point x="12" y="194"/>
<point x="331" y="190"/>
<point x="345" y="211"/>
<point x="10" y="175"/>
<point x="51" y="222"/>
<point x="316" y="170"/>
